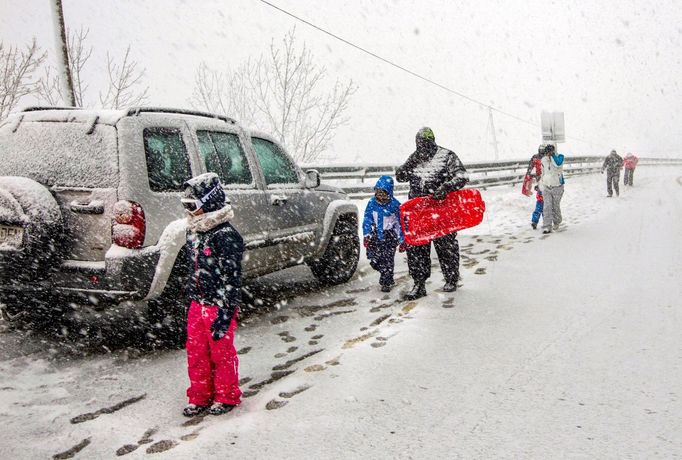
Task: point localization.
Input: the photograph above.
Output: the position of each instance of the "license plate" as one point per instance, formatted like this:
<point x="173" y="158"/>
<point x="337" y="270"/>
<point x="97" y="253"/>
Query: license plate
<point x="11" y="236"/>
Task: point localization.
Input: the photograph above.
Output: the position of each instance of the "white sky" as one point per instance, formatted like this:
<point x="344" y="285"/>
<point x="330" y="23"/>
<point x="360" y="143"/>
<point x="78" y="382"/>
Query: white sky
<point x="611" y="66"/>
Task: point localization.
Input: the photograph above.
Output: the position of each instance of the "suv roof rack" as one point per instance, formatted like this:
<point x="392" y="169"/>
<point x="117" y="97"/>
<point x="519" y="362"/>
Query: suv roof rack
<point x="38" y="108"/>
<point x="134" y="111"/>
<point x="137" y="110"/>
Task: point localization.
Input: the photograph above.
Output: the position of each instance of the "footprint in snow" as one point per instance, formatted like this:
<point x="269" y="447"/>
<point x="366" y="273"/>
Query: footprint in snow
<point x="480" y="271"/>
<point x="190" y="436"/>
<point x="279" y="320"/>
<point x="311" y="328"/>
<point x="291" y="394"/>
<point x="70" y="453"/>
<point x="161" y="446"/>
<point x="244" y="351"/>
<point x="275" y="404"/>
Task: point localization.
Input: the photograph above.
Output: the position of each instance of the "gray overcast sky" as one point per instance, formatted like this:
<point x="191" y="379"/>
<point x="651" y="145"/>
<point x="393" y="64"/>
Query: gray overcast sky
<point x="613" y="67"/>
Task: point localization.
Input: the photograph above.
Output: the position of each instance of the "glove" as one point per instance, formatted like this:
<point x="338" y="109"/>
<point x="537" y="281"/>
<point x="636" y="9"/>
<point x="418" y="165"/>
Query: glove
<point x="439" y="194"/>
<point x="220" y="325"/>
<point x="402" y="247"/>
<point x="365" y="242"/>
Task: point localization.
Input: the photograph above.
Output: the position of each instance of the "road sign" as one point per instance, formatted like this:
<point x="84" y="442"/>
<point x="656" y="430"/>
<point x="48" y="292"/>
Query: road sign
<point x="553" y="127"/>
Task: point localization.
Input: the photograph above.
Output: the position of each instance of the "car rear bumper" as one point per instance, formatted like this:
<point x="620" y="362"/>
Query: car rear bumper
<point x="98" y="284"/>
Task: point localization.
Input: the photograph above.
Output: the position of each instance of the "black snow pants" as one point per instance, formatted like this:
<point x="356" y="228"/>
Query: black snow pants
<point x="447" y="249"/>
<point x="627" y="176"/>
<point x="381" y="256"/>
<point x="612" y="181"/>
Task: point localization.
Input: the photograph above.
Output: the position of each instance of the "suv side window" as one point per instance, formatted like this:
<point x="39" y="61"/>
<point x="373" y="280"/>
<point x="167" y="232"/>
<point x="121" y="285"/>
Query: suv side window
<point x="167" y="159"/>
<point x="223" y="155"/>
<point x="276" y="166"/>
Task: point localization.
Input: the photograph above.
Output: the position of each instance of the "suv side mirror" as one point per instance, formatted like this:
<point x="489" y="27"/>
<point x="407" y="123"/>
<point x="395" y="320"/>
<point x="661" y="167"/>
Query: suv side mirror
<point x="312" y="178"/>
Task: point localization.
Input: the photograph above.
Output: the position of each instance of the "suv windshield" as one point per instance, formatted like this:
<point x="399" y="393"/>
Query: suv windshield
<point x="60" y="154"/>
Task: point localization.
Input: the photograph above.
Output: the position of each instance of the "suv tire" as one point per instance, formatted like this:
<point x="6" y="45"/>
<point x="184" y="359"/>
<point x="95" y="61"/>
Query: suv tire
<point x="339" y="261"/>
<point x="30" y="205"/>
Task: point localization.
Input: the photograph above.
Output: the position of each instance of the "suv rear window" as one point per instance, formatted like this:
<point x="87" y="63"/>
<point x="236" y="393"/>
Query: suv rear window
<point x="60" y="154"/>
<point x="167" y="160"/>
<point x="223" y="155"/>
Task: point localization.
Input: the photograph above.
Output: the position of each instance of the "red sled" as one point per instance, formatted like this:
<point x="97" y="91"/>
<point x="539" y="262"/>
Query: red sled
<point x="527" y="187"/>
<point x="423" y="219"/>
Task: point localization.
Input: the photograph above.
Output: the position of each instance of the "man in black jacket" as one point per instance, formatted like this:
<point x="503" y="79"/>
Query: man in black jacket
<point x="436" y="171"/>
<point x="612" y="163"/>
<point x="215" y="250"/>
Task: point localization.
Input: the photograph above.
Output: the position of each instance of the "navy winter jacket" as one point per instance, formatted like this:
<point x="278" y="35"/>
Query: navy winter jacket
<point x="215" y="259"/>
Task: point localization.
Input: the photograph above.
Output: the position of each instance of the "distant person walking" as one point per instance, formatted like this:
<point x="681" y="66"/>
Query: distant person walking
<point x="612" y="164"/>
<point x="535" y="171"/>
<point x="436" y="171"/>
<point x="552" y="188"/>
<point x="629" y="164"/>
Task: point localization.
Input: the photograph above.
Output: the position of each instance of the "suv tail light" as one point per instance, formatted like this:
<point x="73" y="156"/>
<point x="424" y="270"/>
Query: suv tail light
<point x="128" y="226"/>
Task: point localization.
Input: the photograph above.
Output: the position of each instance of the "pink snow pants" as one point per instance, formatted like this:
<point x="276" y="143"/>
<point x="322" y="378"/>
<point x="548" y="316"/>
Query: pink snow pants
<point x="211" y="364"/>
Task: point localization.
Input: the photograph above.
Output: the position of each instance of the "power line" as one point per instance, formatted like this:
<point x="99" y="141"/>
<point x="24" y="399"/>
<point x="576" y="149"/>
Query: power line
<point x="414" y="74"/>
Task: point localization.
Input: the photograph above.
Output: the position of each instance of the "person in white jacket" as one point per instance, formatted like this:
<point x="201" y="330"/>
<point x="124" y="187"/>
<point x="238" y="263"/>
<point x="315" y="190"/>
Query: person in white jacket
<point x="552" y="187"/>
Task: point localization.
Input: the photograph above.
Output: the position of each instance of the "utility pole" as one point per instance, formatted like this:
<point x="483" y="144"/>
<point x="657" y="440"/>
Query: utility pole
<point x="62" y="53"/>
<point x="492" y="130"/>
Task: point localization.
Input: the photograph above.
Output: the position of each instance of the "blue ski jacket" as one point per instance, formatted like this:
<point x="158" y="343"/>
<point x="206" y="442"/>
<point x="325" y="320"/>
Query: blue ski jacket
<point x="381" y="217"/>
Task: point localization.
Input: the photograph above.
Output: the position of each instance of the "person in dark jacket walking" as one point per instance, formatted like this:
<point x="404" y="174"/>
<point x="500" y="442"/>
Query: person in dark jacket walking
<point x="612" y="164"/>
<point x="215" y="250"/>
<point x="436" y="171"/>
<point x="535" y="170"/>
<point x="382" y="232"/>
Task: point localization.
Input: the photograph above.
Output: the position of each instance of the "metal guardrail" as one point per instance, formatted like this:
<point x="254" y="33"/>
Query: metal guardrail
<point x="358" y="180"/>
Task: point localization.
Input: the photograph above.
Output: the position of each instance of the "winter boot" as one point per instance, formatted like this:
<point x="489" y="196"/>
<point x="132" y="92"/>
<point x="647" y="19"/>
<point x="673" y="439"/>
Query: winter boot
<point x="534" y="225"/>
<point x="192" y="410"/>
<point x="450" y="286"/>
<point x="220" y="408"/>
<point x="385" y="288"/>
<point x="419" y="290"/>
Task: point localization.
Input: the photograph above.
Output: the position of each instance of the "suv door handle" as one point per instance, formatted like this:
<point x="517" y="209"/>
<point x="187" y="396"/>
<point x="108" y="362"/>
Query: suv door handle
<point x="94" y="207"/>
<point x="278" y="200"/>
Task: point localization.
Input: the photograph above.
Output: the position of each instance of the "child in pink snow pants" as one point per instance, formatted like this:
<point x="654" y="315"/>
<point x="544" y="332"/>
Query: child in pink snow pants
<point x="214" y="290"/>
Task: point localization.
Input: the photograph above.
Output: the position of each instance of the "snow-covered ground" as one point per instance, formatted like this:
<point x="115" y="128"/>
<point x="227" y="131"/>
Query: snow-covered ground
<point x="563" y="345"/>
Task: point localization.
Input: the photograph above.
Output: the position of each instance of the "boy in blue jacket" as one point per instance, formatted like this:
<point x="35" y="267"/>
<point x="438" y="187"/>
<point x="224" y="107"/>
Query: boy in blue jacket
<point x="382" y="232"/>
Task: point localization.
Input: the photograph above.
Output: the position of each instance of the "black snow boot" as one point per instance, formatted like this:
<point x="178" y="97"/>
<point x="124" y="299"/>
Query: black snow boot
<point x="419" y="290"/>
<point x="220" y="408"/>
<point x="534" y="225"/>
<point x="192" y="410"/>
<point x="450" y="286"/>
<point x="386" y="288"/>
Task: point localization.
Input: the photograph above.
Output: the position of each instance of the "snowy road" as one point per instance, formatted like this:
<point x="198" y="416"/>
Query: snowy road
<point x="566" y="345"/>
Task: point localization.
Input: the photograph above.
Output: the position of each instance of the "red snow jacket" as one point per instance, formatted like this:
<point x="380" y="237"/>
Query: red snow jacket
<point x="630" y="161"/>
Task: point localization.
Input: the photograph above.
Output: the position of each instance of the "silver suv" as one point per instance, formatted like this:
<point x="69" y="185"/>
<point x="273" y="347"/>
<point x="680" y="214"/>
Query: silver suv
<point x="90" y="213"/>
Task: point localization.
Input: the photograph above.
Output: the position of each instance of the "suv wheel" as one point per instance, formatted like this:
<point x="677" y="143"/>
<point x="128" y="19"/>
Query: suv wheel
<point x="339" y="261"/>
<point x="29" y="206"/>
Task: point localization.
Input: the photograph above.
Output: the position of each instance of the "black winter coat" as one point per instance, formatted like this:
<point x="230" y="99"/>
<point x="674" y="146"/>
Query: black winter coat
<point x="613" y="163"/>
<point x="215" y="260"/>
<point x="440" y="170"/>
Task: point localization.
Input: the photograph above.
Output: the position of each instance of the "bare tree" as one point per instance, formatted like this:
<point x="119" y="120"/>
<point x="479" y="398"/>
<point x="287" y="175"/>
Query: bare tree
<point x="285" y="91"/>
<point x="124" y="79"/>
<point x="50" y="88"/>
<point x="225" y="93"/>
<point x="16" y="74"/>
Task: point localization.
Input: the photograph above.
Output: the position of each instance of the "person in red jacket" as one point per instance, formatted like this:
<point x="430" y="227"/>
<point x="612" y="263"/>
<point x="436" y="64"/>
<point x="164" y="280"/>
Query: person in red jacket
<point x="629" y="165"/>
<point x="535" y="170"/>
